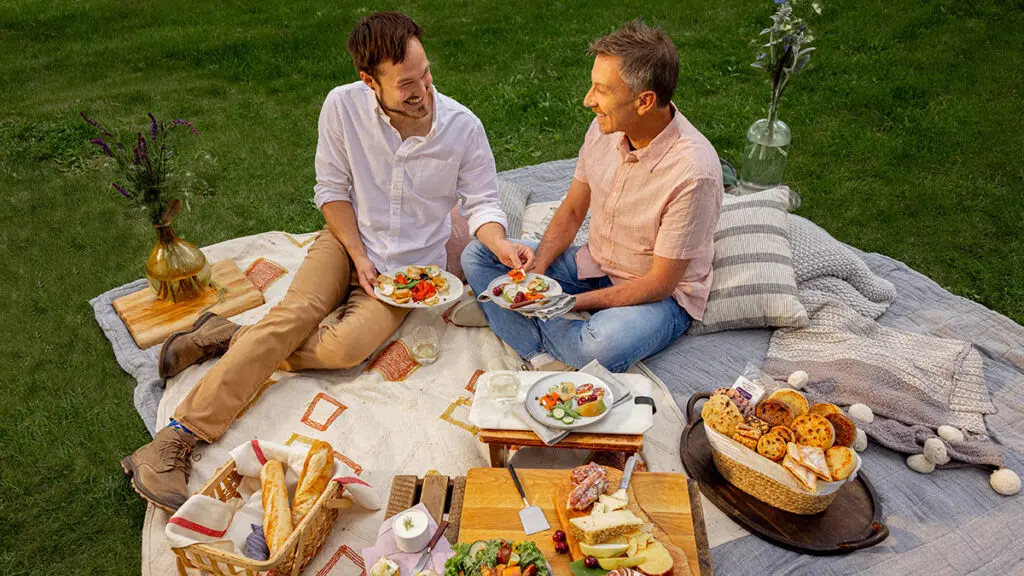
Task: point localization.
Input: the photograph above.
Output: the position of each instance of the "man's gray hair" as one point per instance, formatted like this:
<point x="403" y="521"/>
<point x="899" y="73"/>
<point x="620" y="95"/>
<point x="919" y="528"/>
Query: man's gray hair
<point x="649" y="59"/>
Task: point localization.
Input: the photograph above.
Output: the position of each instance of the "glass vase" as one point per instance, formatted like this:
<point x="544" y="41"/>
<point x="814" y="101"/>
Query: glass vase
<point x="764" y="158"/>
<point x="176" y="269"/>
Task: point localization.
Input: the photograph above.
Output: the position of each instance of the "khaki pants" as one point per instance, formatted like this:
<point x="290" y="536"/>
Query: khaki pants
<point x="290" y="337"/>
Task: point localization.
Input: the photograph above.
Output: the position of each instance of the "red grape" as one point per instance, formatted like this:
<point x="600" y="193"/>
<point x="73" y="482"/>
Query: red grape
<point x="590" y="562"/>
<point x="496" y="291"/>
<point x="558" y="536"/>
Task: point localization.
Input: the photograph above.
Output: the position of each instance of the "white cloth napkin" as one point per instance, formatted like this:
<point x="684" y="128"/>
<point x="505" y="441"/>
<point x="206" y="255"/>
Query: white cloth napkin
<point x="226" y="524"/>
<point x="386" y="546"/>
<point x="627" y="418"/>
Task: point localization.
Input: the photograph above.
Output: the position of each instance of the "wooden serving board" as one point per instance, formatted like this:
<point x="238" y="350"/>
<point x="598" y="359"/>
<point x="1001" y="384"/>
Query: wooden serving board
<point x="150" y="321"/>
<point x="851" y="522"/>
<point x="491" y="510"/>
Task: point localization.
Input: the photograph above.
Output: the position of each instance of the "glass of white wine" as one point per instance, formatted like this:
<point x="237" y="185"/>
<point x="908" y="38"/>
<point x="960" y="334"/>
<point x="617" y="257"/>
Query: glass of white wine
<point x="503" y="381"/>
<point x="426" y="346"/>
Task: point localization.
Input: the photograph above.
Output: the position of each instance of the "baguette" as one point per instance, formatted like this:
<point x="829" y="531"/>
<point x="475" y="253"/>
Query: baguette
<point x="316" y="473"/>
<point x="277" y="518"/>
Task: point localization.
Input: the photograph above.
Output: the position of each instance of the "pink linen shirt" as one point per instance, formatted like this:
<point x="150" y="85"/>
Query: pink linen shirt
<point x="660" y="200"/>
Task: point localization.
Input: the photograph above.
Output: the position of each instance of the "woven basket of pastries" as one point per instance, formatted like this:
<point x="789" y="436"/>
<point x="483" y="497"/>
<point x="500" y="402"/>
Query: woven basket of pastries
<point x="784" y="451"/>
<point x="315" y="508"/>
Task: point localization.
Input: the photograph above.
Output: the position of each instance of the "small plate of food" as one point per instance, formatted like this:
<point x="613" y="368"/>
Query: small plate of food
<point x="418" y="287"/>
<point x="520" y="290"/>
<point x="569" y="400"/>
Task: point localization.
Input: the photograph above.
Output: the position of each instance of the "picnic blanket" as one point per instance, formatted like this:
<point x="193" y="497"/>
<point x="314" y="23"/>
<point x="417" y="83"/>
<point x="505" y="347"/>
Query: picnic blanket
<point x="945" y="523"/>
<point x="949" y="522"/>
<point x="386" y="417"/>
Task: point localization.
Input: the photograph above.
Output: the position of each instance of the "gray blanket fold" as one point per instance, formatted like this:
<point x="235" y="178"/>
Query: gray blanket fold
<point x="914" y="383"/>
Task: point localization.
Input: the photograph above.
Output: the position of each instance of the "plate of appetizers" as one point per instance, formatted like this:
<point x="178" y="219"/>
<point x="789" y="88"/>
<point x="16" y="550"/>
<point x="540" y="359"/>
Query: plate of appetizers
<point x="520" y="290"/>
<point x="569" y="400"/>
<point x="418" y="287"/>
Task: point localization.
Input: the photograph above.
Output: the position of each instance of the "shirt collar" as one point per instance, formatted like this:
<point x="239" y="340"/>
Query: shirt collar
<point x="656" y="151"/>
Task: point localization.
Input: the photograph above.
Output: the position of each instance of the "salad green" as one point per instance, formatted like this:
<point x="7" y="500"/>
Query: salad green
<point x="472" y="559"/>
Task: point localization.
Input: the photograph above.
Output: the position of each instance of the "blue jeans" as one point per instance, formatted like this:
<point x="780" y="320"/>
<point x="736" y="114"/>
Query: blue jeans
<point x="616" y="337"/>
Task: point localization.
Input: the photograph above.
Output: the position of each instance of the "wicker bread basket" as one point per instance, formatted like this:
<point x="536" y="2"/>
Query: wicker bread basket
<point x="766" y="480"/>
<point x="305" y="541"/>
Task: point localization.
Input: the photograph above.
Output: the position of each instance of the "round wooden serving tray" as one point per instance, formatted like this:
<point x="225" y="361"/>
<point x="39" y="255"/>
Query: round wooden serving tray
<point x="852" y="522"/>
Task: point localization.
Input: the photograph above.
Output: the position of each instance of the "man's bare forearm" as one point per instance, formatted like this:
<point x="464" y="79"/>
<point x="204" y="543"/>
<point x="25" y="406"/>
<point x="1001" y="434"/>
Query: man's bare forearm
<point x="559" y="236"/>
<point x="630" y="293"/>
<point x="491" y="234"/>
<point x="341" y="219"/>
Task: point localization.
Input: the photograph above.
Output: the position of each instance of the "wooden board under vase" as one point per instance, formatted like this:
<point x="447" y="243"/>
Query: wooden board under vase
<point x="150" y="320"/>
<point x="852" y="522"/>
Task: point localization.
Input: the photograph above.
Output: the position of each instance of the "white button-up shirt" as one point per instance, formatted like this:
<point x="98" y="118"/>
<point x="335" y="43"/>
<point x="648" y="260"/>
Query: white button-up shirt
<point x="403" y="192"/>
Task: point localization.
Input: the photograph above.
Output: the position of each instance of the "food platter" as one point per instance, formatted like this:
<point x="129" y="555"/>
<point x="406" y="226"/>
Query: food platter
<point x="438" y="285"/>
<point x="507" y="286"/>
<point x="575" y="407"/>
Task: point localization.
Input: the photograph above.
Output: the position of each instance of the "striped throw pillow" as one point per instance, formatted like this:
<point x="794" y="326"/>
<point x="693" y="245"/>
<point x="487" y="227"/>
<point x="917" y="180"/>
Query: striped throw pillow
<point x="753" y="284"/>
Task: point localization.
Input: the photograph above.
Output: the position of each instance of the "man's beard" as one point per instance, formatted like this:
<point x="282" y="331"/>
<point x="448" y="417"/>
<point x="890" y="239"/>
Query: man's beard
<point x="403" y="113"/>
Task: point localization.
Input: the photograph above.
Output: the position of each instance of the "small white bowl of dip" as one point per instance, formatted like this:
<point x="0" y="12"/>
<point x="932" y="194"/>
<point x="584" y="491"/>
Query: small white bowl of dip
<point x="410" y="530"/>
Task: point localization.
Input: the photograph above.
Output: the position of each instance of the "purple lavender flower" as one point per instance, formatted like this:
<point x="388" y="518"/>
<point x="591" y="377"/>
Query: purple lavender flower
<point x="153" y="119"/>
<point x="123" y="192"/>
<point x="95" y="124"/>
<point x="140" y="150"/>
<point x="182" y="122"/>
<point x="103" y="146"/>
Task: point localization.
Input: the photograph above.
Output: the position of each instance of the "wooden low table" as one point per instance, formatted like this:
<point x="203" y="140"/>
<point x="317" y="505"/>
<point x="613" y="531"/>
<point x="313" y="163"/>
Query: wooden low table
<point x="499" y="441"/>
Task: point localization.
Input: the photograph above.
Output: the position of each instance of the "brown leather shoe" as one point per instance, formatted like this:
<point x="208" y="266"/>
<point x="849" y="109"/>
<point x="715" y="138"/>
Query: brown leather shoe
<point x="208" y="337"/>
<point x="159" y="470"/>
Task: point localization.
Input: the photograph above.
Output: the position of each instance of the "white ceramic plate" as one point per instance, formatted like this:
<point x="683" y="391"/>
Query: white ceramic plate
<point x="540" y="388"/>
<point x="554" y="289"/>
<point x="455" y="291"/>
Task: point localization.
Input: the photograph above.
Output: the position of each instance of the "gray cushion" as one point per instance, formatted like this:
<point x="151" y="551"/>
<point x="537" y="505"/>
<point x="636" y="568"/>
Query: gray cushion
<point x="513" y="201"/>
<point x="753" y="284"/>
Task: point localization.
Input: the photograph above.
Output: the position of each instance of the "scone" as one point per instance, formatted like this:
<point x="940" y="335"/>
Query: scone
<point x="745" y="440"/>
<point x="824" y="409"/>
<point x="786" y="433"/>
<point x="795" y="400"/>
<point x="842" y="461"/>
<point x="846" y="430"/>
<point x="814" y="430"/>
<point x="721" y="414"/>
<point x="771" y="446"/>
<point x="775" y="412"/>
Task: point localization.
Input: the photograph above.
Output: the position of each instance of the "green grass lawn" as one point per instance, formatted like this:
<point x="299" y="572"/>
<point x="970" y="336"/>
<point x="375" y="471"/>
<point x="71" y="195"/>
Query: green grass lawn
<point x="907" y="141"/>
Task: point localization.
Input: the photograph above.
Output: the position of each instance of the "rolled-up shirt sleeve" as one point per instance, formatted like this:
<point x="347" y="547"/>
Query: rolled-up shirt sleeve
<point x="688" y="221"/>
<point x="333" y="172"/>
<point x="477" y="184"/>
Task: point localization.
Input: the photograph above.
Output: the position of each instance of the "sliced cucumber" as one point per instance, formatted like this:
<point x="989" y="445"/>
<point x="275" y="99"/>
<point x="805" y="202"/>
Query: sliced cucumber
<point x="558" y="413"/>
<point x="568" y="420"/>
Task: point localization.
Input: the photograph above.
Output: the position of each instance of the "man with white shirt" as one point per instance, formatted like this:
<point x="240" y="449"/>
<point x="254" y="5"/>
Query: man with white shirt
<point x="393" y="158"/>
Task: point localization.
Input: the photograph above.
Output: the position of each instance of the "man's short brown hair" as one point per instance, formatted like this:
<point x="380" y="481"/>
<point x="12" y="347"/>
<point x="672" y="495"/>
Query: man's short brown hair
<point x="379" y="38"/>
<point x="649" y="59"/>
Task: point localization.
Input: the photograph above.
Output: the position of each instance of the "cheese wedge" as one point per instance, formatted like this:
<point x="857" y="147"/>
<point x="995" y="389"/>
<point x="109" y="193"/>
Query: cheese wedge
<point x="611" y="503"/>
<point x="598" y="528"/>
<point x="810" y="457"/>
<point x="805" y="477"/>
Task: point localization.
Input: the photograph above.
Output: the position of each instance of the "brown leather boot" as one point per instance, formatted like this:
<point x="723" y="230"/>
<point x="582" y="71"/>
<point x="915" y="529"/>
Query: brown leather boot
<point x="159" y="470"/>
<point x="208" y="337"/>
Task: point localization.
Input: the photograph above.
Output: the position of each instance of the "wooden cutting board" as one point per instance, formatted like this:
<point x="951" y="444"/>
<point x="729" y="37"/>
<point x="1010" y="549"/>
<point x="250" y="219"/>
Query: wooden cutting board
<point x="491" y="510"/>
<point x="150" y="321"/>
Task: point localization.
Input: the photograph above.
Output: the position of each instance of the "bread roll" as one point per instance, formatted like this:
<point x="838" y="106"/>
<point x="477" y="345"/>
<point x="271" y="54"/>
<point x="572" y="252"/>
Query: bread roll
<point x="277" y="518"/>
<point x="316" y="473"/>
<point x="797" y="403"/>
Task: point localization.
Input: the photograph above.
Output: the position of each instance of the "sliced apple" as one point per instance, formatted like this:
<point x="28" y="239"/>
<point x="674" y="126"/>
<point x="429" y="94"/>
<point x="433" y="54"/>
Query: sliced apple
<point x="655" y="560"/>
<point x="618" y="562"/>
<point x="605" y="550"/>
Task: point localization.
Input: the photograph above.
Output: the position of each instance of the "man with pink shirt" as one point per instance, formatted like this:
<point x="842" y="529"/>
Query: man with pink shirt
<point x="653" y="185"/>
